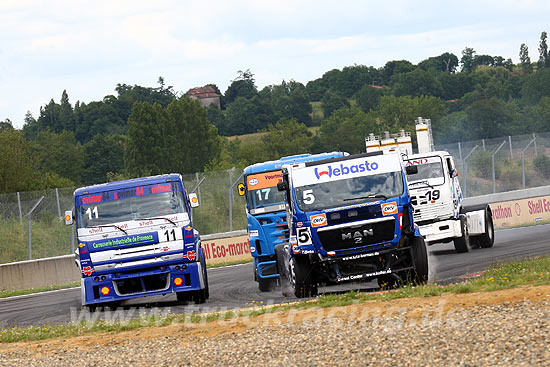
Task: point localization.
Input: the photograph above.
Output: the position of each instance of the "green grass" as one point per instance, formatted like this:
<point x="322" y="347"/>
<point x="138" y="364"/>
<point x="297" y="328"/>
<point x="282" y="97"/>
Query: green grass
<point x="5" y="294"/>
<point x="229" y="263"/>
<point x="50" y="237"/>
<point x="534" y="272"/>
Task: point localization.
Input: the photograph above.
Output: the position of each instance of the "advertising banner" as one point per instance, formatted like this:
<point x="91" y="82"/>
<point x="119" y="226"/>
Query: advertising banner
<point x="516" y="213"/>
<point x="226" y="249"/>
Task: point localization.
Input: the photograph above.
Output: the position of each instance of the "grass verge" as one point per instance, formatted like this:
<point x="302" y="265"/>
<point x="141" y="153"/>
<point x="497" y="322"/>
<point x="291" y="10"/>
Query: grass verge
<point x="229" y="263"/>
<point x="5" y="294"/>
<point x="533" y="272"/>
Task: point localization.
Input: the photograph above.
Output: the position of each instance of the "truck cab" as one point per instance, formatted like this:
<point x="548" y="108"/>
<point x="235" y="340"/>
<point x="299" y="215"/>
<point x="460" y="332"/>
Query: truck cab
<point x="350" y="219"/>
<point x="136" y="238"/>
<point x="266" y="213"/>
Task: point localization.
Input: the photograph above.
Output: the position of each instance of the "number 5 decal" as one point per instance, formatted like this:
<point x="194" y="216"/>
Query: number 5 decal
<point x="304" y="236"/>
<point x="308" y="197"/>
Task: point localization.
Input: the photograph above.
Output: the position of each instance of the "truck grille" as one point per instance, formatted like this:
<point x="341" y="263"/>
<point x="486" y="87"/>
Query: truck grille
<point x="359" y="235"/>
<point x="430" y="211"/>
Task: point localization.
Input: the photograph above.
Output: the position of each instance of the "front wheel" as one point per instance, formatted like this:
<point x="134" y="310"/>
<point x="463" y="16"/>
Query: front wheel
<point x="462" y="243"/>
<point x="301" y="277"/>
<point x="420" y="257"/>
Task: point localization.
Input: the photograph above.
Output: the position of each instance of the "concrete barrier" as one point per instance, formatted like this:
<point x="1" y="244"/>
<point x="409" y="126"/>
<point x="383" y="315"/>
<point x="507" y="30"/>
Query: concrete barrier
<point x="218" y="248"/>
<point x="38" y="273"/>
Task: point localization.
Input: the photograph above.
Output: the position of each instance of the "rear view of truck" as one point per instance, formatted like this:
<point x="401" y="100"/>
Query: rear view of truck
<point x="135" y="239"/>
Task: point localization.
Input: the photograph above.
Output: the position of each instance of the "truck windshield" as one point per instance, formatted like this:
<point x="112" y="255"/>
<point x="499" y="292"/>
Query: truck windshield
<point x="132" y="208"/>
<point x="262" y="194"/>
<point x="429" y="169"/>
<point x="349" y="191"/>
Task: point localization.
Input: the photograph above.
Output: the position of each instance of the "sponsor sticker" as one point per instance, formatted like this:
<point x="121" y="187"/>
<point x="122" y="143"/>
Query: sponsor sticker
<point x="318" y="220"/>
<point x="389" y="208"/>
<point x="253" y="233"/>
<point x="253" y="181"/>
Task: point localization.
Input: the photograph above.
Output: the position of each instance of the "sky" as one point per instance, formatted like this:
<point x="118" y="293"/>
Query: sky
<point x="88" y="47"/>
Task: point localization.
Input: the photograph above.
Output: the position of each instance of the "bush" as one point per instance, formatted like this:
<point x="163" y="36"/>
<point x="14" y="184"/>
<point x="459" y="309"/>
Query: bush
<point x="542" y="165"/>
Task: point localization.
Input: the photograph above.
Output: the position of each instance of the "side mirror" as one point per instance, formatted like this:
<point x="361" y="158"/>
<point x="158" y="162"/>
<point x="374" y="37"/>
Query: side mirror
<point x="194" y="200"/>
<point x="240" y="188"/>
<point x="69" y="217"/>
<point x="411" y="170"/>
<point x="282" y="186"/>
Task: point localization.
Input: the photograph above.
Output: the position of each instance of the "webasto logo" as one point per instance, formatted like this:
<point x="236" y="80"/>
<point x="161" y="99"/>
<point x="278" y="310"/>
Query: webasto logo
<point x="344" y="170"/>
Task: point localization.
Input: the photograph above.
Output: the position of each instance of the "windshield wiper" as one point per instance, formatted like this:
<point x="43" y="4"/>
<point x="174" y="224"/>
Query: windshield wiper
<point x="109" y="226"/>
<point x="425" y="182"/>
<point x="377" y="196"/>
<point x="170" y="220"/>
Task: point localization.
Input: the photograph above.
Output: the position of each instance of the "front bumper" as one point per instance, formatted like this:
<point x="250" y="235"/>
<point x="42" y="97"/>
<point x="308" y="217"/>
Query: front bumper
<point x="119" y="286"/>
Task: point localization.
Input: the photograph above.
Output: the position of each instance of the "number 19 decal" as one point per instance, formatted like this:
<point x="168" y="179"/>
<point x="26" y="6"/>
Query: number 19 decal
<point x="432" y="195"/>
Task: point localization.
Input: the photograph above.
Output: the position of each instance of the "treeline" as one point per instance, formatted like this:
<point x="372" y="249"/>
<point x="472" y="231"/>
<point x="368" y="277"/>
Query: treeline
<point x="150" y="130"/>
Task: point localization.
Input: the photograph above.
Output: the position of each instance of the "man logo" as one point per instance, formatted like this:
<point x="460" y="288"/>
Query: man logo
<point x="253" y="181"/>
<point x="389" y="208"/>
<point x="318" y="220"/>
<point x="357" y="236"/>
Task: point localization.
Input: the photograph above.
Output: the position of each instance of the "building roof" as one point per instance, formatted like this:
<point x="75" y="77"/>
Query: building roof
<point x="202" y="92"/>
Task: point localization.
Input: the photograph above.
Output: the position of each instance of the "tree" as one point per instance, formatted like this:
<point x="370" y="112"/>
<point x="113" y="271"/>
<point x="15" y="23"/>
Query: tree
<point x="178" y="138"/>
<point x="245" y="116"/>
<point x="536" y="86"/>
<point x="368" y="97"/>
<point x="488" y="118"/>
<point x="59" y="153"/>
<point x="524" y="59"/>
<point x="287" y="137"/>
<point x="6" y="125"/>
<point x="242" y="86"/>
<point x="395" y="67"/>
<point x="544" y="59"/>
<point x="346" y="129"/>
<point x="447" y="62"/>
<point x="331" y="102"/>
<point x="145" y="152"/>
<point x="416" y="83"/>
<point x="395" y="113"/>
<point x="467" y="59"/>
<point x="194" y="140"/>
<point x="18" y="168"/>
<point x="482" y="60"/>
<point x="104" y="155"/>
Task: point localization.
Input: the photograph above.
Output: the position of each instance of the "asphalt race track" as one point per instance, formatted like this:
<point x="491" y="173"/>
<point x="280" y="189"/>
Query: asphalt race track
<point x="233" y="287"/>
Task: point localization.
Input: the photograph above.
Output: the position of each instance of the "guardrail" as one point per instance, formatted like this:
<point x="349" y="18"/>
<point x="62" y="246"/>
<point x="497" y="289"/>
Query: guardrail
<point x="514" y="208"/>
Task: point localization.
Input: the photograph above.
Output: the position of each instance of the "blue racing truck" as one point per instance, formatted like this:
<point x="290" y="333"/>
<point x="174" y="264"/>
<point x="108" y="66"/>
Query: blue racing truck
<point x="350" y="219"/>
<point x="135" y="239"/>
<point x="266" y="213"/>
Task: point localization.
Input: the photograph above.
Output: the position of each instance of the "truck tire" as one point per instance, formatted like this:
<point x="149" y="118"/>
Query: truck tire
<point x="267" y="285"/>
<point x="284" y="281"/>
<point x="462" y="243"/>
<point x="420" y="254"/>
<point x="300" y="277"/>
<point x="487" y="239"/>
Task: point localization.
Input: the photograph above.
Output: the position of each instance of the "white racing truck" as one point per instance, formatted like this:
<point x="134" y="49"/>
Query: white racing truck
<point x="437" y="198"/>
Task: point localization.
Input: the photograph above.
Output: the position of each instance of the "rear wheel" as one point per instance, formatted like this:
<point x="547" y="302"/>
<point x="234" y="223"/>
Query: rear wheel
<point x="487" y="239"/>
<point x="462" y="244"/>
<point x="301" y="277"/>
